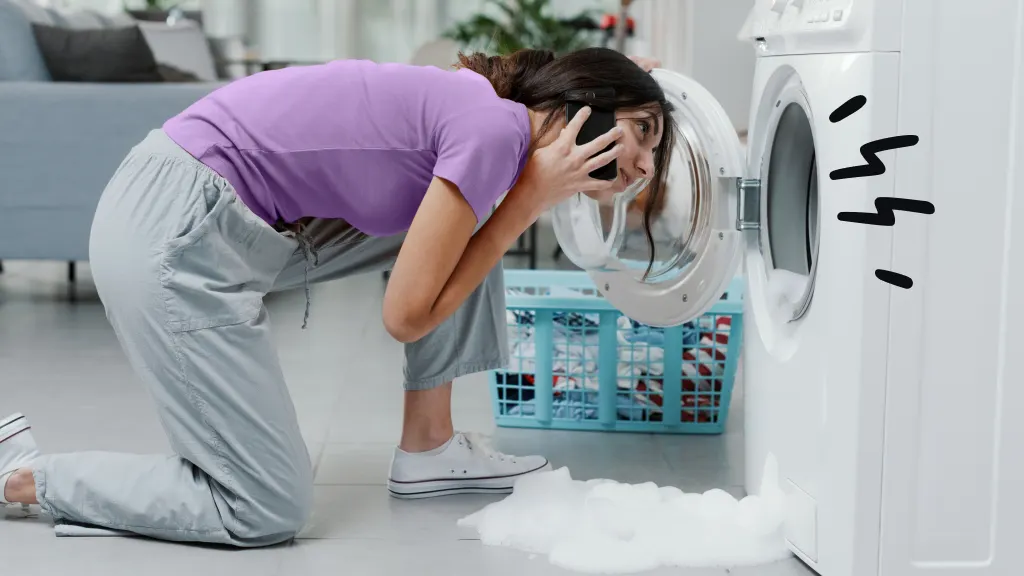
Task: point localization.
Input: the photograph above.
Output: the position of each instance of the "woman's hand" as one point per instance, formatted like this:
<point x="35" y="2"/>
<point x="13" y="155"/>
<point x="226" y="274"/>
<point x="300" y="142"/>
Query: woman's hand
<point x="647" y="64"/>
<point x="442" y="261"/>
<point x="562" y="168"/>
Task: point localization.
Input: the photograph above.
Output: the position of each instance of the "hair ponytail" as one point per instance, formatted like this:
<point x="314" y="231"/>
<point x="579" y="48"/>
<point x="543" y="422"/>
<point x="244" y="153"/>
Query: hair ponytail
<point x="508" y="74"/>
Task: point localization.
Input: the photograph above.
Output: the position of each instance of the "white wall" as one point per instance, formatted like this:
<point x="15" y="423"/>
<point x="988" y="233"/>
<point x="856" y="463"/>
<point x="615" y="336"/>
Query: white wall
<point x="721" y="62"/>
<point x="696" y="37"/>
<point x="109" y="6"/>
<point x="699" y="38"/>
<point x="225" y="18"/>
<point x="382" y="30"/>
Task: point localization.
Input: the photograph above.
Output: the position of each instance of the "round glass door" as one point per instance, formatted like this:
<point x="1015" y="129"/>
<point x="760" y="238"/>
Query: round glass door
<point x="672" y="265"/>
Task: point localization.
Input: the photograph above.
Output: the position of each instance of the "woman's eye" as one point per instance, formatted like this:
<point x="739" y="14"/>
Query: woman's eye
<point x="645" y="127"/>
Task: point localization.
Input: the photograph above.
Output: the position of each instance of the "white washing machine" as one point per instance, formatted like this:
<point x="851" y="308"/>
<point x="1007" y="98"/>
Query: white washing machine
<point x="888" y="406"/>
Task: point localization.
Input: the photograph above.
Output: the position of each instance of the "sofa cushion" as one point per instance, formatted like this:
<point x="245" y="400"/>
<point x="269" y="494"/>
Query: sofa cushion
<point x="79" y="19"/>
<point x="117" y="20"/>
<point x="183" y="46"/>
<point x="172" y="74"/>
<point x="19" y="57"/>
<point x="96" y="55"/>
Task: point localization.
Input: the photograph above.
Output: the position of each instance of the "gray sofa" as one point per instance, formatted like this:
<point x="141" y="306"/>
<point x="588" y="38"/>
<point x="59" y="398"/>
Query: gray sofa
<point x="61" y="142"/>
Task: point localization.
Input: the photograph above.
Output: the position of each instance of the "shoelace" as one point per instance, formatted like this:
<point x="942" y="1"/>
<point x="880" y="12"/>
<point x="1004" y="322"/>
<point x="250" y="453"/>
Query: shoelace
<point x="478" y="442"/>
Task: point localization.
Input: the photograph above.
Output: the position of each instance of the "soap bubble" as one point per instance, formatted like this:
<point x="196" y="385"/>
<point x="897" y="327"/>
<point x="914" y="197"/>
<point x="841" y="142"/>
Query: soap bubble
<point x="603" y="526"/>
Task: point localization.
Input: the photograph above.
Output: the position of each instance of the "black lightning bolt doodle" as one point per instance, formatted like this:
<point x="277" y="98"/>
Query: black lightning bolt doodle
<point x="885" y="207"/>
<point x="894" y="278"/>
<point x="869" y="151"/>
<point x="847" y="109"/>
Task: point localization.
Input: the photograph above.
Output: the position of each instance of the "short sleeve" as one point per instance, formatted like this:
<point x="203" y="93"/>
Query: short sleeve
<point x="480" y="151"/>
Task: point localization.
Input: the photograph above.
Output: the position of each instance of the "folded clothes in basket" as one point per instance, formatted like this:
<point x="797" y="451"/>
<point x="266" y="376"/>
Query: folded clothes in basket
<point x="566" y="319"/>
<point x="570" y="319"/>
<point x="574" y="351"/>
<point x="703" y="372"/>
<point x="581" y="404"/>
<point x="640" y="366"/>
<point x="633" y="331"/>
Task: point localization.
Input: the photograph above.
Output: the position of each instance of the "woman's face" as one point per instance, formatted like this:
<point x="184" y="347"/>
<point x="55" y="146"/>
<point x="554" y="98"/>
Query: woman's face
<point x="641" y="137"/>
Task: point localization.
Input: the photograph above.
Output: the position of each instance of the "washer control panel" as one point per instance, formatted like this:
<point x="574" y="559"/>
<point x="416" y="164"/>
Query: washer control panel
<point x="775" y="16"/>
<point x="834" y="26"/>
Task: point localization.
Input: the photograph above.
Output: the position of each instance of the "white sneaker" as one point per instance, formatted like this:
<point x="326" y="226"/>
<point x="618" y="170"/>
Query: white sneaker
<point x="17" y="450"/>
<point x="465" y="465"/>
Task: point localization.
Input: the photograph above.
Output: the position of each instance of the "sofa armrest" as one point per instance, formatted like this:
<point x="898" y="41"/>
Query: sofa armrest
<point x="60" y="134"/>
<point x="118" y="106"/>
<point x="60" y="143"/>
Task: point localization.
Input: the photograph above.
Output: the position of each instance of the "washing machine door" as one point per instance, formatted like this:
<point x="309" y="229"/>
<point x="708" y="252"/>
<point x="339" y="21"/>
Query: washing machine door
<point x="674" y="269"/>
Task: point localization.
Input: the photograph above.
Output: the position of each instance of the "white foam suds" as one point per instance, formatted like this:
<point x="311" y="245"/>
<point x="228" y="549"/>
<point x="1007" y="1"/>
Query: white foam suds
<point x="785" y="291"/>
<point x="602" y="526"/>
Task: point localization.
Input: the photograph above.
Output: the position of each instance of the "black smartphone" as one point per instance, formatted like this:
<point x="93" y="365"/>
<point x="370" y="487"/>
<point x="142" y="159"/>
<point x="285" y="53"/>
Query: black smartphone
<point x="601" y="121"/>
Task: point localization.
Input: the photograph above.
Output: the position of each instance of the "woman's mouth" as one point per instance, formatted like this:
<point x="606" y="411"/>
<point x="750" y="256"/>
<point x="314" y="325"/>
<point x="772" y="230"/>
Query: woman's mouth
<point x="624" y="179"/>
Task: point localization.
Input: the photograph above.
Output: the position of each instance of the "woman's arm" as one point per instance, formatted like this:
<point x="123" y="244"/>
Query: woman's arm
<point x="441" y="261"/>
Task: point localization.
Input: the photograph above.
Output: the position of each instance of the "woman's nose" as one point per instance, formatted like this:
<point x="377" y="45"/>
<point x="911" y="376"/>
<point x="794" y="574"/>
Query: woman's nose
<point x="645" y="165"/>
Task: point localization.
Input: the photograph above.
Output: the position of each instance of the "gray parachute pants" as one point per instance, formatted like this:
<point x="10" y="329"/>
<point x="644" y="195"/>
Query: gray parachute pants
<point x="182" y="266"/>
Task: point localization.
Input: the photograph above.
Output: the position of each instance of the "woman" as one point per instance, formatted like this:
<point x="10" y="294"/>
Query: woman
<point x="309" y="174"/>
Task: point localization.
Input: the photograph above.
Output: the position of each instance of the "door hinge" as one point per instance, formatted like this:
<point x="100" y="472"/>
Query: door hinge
<point x="748" y="204"/>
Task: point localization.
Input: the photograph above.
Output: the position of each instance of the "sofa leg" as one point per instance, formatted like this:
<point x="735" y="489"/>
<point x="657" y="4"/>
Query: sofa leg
<point x="1" y="266"/>
<point x="71" y="272"/>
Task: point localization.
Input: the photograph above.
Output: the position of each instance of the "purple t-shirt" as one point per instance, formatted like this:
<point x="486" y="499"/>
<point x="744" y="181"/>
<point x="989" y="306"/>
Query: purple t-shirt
<point x="357" y="140"/>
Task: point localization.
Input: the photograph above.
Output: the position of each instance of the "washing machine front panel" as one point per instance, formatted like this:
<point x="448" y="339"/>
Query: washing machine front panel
<point x="815" y="316"/>
<point x="694" y="249"/>
<point x="784" y="347"/>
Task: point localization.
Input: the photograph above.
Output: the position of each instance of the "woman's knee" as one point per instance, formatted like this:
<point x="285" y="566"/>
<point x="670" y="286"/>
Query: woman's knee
<point x="276" y="512"/>
<point x="285" y="520"/>
<point x="264" y="502"/>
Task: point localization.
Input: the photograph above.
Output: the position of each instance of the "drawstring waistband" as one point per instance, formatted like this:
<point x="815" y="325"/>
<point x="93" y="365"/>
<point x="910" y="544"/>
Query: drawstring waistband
<point x="309" y="252"/>
<point x="315" y="234"/>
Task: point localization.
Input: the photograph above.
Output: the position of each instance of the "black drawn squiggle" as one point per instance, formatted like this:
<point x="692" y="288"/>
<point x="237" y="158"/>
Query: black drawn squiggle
<point x="847" y="109"/>
<point x="894" y="278"/>
<point x="885" y="208"/>
<point x="886" y="211"/>
<point x="874" y="166"/>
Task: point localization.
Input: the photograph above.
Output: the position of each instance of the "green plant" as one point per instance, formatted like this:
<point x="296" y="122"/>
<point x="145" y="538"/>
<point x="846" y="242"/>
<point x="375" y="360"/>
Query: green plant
<point x="525" y="24"/>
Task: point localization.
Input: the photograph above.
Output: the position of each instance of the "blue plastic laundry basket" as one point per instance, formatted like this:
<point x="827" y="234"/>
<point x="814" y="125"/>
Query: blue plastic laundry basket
<point x="579" y="364"/>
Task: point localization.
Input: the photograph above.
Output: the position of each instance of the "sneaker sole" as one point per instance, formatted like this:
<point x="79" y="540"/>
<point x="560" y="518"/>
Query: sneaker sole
<point x="13" y="426"/>
<point x="436" y="488"/>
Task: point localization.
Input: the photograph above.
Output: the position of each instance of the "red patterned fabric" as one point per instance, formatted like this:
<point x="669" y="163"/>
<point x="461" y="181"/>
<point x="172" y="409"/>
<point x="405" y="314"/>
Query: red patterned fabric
<point x="703" y="373"/>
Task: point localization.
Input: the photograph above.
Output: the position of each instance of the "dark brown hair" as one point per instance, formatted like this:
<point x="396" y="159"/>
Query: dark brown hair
<point x="539" y="81"/>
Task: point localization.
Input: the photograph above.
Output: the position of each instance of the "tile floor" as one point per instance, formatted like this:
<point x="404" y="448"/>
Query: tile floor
<point x="60" y="365"/>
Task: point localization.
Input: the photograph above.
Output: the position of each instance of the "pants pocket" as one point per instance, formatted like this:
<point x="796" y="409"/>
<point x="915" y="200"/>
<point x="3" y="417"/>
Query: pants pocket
<point x="207" y="273"/>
